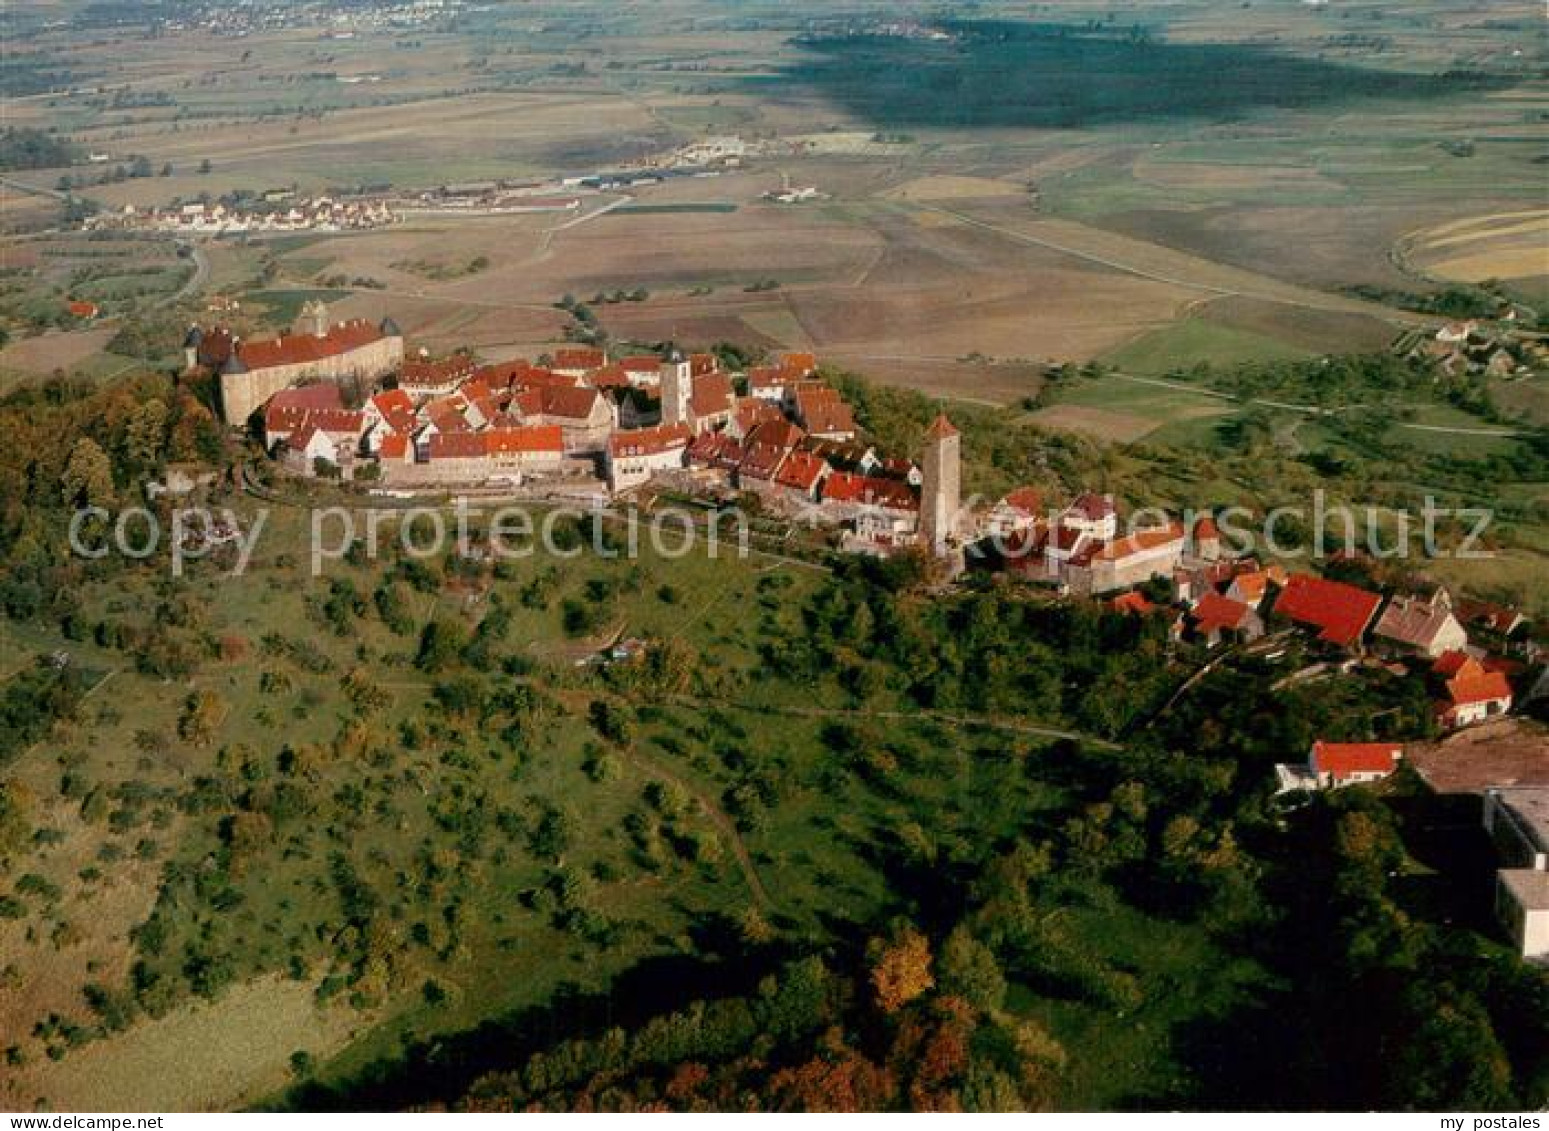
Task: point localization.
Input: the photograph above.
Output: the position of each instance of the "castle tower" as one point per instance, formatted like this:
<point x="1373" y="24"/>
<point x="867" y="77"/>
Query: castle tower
<point x="942" y="487"/>
<point x="677" y="384"/>
<point x="314" y="319"/>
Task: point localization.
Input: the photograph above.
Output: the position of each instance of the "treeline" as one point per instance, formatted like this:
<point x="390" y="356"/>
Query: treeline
<point x="23" y="147"/>
<point x="65" y="443"/>
<point x="907" y="1030"/>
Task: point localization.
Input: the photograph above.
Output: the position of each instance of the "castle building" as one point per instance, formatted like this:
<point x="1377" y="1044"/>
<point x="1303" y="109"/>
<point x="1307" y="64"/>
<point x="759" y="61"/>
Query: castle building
<point x="252" y="372"/>
<point x="942" y="486"/>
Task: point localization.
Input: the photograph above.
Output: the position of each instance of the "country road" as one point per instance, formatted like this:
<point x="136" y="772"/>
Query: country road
<point x="195" y="282"/>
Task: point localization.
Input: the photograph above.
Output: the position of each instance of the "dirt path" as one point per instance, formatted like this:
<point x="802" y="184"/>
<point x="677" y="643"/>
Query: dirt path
<point x="718" y="817"/>
<point x="986" y="722"/>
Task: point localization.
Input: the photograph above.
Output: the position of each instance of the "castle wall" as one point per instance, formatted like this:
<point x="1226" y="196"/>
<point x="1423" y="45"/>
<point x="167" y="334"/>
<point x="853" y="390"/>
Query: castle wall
<point x="243" y="394"/>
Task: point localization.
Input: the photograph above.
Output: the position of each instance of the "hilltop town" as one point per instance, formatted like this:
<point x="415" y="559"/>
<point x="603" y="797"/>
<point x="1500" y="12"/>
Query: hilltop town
<point x="583" y="425"/>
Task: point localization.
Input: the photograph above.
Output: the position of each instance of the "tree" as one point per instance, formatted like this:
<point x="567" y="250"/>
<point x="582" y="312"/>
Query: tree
<point x="900" y="969"/>
<point x="146" y="435"/>
<point x="968" y="970"/>
<point x="87" y="479"/>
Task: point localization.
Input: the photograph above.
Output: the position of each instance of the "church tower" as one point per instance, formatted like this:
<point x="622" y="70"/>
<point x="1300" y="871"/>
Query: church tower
<point x="677" y="384"/>
<point x="942" y="486"/>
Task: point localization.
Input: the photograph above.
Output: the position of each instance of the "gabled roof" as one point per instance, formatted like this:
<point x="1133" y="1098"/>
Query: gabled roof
<point x="843" y="487"/>
<point x="1413" y="621"/>
<point x="776" y="431"/>
<point x="397" y="409"/>
<point x="456" y="445"/>
<point x="295" y="349"/>
<point x="567" y="402"/>
<point x="395" y="446"/>
<point x="1340" y="612"/>
<point x="1133" y="603"/>
<point x="530" y="440"/>
<point x="337" y="421"/>
<point x="1253" y="585"/>
<point x="423" y="373"/>
<point x="1024" y="500"/>
<point x="1473" y="684"/>
<point x="1216" y="613"/>
<point x="1342" y="760"/>
<point x="1489" y="616"/>
<point x="834" y="418"/>
<point x="649" y="441"/>
<point x="1141" y="542"/>
<point x="753" y="412"/>
<point x="768" y="377"/>
<point x="1092" y="507"/>
<point x="712" y="395"/>
<point x="800" y="471"/>
<point x="941" y="428"/>
<point x="580" y="357"/>
<point x="796" y="362"/>
<point x="761" y="461"/>
<point x="287" y="410"/>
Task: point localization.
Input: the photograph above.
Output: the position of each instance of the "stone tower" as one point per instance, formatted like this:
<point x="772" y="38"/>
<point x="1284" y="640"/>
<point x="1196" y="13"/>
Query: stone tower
<point x="677" y="384"/>
<point x="941" y="488"/>
<point x="314" y="319"/>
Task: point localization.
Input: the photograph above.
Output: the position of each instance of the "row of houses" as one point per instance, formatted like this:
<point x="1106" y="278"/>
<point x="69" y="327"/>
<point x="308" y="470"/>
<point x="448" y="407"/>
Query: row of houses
<point x="324" y="214"/>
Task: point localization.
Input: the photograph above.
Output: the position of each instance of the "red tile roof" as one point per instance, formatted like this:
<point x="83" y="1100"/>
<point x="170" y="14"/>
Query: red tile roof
<point x="580" y="357"/>
<point x="797" y="362"/>
<point x="422" y="373"/>
<point x="1092" y="506"/>
<point x="1027" y="500"/>
<point x="776" y="430"/>
<point x="1134" y="603"/>
<point x="1342" y="760"/>
<point x="609" y="377"/>
<point x="1141" y="542"/>
<point x="768" y="377"/>
<point x="1448" y="664"/>
<point x="337" y="421"/>
<point x="941" y="428"/>
<point x="395" y="446"/>
<point x="566" y="402"/>
<point x="712" y="395"/>
<point x="295" y="349"/>
<point x="800" y="471"/>
<point x="761" y="461"/>
<point x="456" y="445"/>
<point x="649" y="441"/>
<point x="397" y="409"/>
<point x="531" y="440"/>
<point x="288" y="409"/>
<point x="1340" y="612"/>
<point x="843" y="487"/>
<point x="1216" y="613"/>
<point x="1473" y="685"/>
